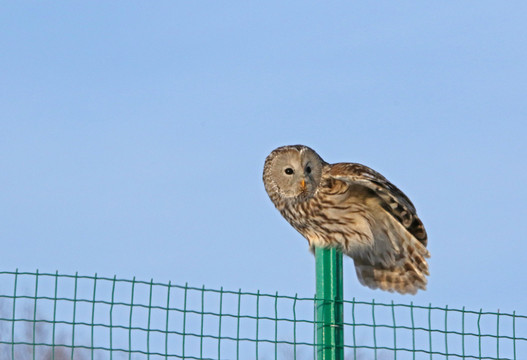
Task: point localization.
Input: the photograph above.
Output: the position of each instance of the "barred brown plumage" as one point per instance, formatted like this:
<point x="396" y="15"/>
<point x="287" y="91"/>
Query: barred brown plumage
<point x="355" y="209"/>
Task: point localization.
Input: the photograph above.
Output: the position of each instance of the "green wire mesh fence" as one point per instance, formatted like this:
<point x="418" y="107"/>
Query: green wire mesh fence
<point x="58" y="316"/>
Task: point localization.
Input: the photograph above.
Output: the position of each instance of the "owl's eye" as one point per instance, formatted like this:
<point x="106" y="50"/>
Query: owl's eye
<point x="308" y="170"/>
<point x="289" y="171"/>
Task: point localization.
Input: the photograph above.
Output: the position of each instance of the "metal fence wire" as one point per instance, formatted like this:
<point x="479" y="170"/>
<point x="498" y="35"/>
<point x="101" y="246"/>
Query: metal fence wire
<point x="60" y="316"/>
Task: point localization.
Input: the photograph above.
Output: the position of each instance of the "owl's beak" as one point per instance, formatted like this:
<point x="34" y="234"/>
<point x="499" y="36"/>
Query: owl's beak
<point x="303" y="184"/>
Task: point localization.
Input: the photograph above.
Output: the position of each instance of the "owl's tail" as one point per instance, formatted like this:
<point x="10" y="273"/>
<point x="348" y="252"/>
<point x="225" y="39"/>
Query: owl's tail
<point x="406" y="277"/>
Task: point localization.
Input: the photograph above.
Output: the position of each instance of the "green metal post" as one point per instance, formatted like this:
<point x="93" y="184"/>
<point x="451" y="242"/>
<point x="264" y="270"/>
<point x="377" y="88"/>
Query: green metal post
<point x="330" y="331"/>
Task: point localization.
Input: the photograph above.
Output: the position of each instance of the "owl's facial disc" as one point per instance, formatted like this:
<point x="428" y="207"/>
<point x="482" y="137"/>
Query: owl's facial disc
<point x="294" y="177"/>
<point x="292" y="173"/>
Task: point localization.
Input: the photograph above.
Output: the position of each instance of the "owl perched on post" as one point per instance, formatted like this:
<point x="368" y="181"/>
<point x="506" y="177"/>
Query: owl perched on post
<point x="355" y="209"/>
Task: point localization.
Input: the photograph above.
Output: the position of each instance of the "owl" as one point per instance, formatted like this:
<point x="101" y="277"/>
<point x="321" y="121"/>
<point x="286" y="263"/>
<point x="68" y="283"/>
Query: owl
<point x="354" y="209"/>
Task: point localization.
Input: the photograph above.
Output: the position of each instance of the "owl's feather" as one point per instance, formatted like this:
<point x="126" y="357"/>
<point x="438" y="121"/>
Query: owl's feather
<point x="394" y="200"/>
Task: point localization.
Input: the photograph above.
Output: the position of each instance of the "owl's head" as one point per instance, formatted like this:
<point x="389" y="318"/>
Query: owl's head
<point x="292" y="172"/>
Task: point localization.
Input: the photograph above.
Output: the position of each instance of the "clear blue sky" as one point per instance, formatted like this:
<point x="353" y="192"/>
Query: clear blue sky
<point x="133" y="135"/>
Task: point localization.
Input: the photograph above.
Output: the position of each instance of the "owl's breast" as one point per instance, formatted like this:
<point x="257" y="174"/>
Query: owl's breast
<point x="335" y="216"/>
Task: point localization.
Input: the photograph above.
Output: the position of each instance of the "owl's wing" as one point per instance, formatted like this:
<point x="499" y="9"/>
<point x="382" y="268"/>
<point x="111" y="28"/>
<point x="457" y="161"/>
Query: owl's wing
<point x="394" y="201"/>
